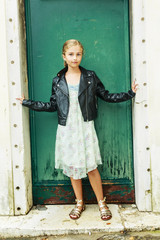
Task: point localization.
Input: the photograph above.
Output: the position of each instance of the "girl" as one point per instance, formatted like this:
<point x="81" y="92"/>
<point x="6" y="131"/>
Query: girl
<point x="74" y="97"/>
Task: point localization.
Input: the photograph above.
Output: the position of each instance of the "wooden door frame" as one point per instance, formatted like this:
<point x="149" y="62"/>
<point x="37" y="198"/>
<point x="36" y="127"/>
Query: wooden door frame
<point x="21" y="178"/>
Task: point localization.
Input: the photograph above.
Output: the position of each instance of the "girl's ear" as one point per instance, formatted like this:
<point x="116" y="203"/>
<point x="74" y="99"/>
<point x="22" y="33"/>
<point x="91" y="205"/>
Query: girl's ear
<point x="64" y="58"/>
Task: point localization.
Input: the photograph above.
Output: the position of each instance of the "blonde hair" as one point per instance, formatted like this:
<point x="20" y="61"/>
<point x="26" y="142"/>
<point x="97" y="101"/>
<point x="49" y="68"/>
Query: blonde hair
<point x="70" y="43"/>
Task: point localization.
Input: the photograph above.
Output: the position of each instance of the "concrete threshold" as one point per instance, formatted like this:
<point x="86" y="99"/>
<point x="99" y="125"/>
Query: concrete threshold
<point x="53" y="220"/>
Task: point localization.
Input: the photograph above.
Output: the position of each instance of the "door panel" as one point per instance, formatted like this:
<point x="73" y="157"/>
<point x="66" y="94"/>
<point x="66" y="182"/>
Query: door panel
<point x="103" y="28"/>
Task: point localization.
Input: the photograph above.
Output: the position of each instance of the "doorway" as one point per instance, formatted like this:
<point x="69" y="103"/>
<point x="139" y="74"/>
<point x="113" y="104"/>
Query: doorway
<point x="103" y="29"/>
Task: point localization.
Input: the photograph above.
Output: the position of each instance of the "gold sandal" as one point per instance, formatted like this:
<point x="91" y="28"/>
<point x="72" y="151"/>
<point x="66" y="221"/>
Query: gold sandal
<point x="104" y="210"/>
<point x="76" y="212"/>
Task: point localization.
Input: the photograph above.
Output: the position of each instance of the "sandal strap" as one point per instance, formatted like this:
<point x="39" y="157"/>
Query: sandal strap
<point x="79" y="203"/>
<point x="105" y="212"/>
<point x="76" y="211"/>
<point x="102" y="208"/>
<point x="102" y="203"/>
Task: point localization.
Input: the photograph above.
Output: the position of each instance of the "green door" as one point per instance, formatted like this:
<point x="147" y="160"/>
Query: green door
<point x="103" y="28"/>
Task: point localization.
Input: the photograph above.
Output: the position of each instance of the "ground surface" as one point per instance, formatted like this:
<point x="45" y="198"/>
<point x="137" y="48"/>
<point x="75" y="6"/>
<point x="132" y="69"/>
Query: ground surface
<point x="99" y="236"/>
<point x="53" y="222"/>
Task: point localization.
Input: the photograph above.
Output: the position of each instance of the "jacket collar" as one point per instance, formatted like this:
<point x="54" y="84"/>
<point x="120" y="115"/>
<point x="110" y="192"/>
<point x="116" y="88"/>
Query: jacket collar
<point x="64" y="70"/>
<point x="83" y="80"/>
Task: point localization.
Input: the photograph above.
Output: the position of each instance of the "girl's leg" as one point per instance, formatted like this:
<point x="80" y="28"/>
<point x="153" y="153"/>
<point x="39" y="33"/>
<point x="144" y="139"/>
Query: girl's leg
<point x="77" y="187"/>
<point x="96" y="183"/>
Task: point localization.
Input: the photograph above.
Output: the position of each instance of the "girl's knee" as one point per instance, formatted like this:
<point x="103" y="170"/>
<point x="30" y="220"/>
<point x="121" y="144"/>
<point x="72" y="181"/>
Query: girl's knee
<point x="93" y="172"/>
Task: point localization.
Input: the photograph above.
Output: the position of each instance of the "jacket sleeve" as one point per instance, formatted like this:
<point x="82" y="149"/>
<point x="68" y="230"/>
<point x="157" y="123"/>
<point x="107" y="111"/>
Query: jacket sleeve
<point x="112" y="97"/>
<point x="40" y="106"/>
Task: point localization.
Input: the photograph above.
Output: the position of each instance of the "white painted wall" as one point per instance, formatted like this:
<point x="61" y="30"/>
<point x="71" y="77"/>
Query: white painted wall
<point x="146" y="69"/>
<point x="6" y="176"/>
<point x="141" y="134"/>
<point x="153" y="73"/>
<point x="15" y="161"/>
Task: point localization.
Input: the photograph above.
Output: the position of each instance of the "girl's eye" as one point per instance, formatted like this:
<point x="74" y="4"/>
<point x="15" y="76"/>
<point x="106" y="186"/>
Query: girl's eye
<point x="70" y="54"/>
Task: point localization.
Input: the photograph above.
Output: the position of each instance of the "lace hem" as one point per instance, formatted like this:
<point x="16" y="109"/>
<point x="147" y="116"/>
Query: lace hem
<point x="77" y="173"/>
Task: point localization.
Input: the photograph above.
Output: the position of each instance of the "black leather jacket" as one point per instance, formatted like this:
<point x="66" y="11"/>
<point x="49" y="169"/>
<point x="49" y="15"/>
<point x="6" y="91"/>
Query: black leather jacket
<point x="90" y="88"/>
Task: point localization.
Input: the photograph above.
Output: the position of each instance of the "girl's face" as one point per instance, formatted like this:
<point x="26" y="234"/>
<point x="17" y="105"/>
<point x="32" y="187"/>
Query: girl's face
<point x="73" y="56"/>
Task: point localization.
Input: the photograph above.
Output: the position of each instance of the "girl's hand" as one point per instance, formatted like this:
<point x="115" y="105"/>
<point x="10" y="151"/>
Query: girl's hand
<point x="21" y="99"/>
<point x="134" y="87"/>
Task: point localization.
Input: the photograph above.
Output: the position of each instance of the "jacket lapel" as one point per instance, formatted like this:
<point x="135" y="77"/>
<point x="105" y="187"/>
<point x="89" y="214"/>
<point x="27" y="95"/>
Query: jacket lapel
<point x="84" y="81"/>
<point x="62" y="84"/>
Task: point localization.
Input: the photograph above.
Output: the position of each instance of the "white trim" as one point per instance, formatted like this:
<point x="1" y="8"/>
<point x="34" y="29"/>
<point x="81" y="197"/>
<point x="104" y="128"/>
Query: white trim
<point x="19" y="123"/>
<point x="153" y="72"/>
<point x="6" y="186"/>
<point x="142" y="171"/>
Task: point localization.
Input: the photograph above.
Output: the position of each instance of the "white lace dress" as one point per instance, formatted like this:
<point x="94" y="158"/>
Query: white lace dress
<point x="77" y="150"/>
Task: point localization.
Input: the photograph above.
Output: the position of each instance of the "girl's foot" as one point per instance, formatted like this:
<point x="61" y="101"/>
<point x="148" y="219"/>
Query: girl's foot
<point x="77" y="210"/>
<point x="104" y="210"/>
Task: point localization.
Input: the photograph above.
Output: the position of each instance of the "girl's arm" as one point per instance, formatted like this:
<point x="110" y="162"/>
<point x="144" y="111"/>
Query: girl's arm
<point x="114" y="97"/>
<point x="39" y="105"/>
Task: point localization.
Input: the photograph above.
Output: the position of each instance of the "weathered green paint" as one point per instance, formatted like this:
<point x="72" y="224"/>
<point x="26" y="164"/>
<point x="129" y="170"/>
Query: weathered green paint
<point x="115" y="191"/>
<point x="103" y="28"/>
